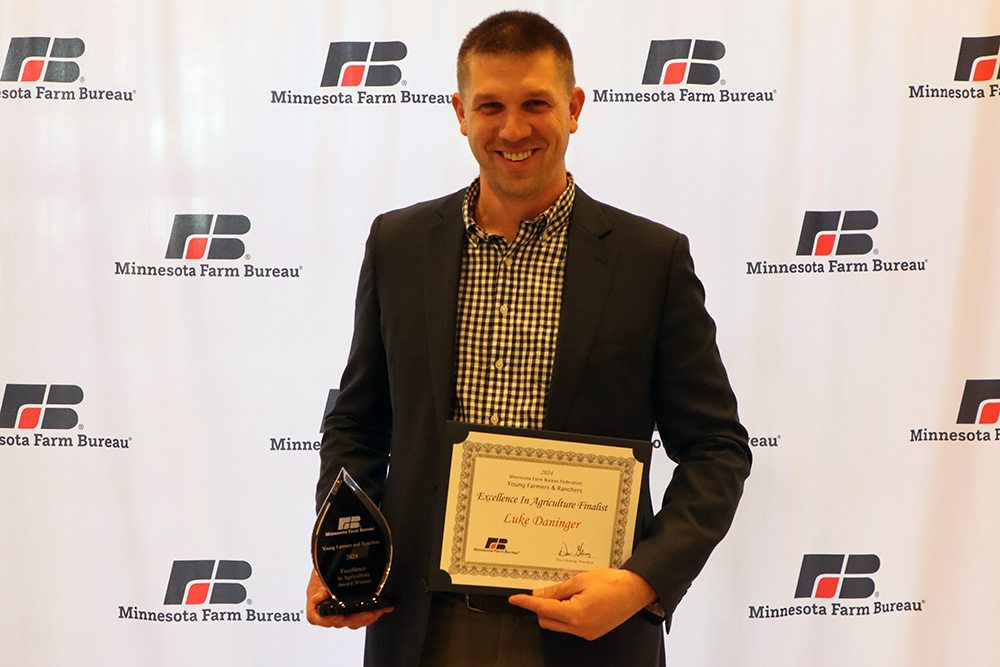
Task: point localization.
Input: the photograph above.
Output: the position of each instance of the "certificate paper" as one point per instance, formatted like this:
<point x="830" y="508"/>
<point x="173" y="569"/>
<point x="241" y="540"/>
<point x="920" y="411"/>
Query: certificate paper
<point x="528" y="508"/>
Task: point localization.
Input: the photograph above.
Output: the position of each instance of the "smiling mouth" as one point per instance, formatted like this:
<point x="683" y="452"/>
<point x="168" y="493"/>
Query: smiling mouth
<point x="517" y="157"/>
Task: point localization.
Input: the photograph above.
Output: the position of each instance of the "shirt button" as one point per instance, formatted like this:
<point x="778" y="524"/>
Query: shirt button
<point x="508" y="261"/>
<point x="494" y="419"/>
<point x="498" y="363"/>
<point x="503" y="310"/>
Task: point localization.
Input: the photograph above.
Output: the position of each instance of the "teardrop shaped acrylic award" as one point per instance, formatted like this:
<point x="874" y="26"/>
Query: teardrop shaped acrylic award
<point x="352" y="550"/>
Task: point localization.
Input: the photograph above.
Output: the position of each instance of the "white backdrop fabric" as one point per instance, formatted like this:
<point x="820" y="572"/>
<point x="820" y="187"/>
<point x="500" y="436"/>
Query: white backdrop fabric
<point x="159" y="410"/>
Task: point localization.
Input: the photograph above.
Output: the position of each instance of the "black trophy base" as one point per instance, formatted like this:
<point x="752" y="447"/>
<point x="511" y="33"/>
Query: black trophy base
<point x="334" y="607"/>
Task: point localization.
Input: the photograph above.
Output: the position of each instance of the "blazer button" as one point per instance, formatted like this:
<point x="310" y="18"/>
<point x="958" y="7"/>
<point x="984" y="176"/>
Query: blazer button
<point x="423" y="585"/>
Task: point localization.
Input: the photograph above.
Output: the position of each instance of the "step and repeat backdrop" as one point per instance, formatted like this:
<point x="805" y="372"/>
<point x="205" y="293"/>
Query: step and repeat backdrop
<point x="185" y="190"/>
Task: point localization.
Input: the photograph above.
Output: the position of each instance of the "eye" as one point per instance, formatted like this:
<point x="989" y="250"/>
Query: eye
<point x="536" y="105"/>
<point x="490" y="108"/>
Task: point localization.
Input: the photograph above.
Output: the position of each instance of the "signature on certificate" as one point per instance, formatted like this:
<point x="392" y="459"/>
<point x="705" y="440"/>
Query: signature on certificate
<point x="580" y="551"/>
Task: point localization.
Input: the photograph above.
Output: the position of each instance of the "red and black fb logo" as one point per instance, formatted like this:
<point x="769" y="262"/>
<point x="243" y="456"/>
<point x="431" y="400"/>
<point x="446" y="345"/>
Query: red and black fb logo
<point x="674" y="61"/>
<point x="836" y="233"/>
<point x="351" y="63"/>
<point x="980" y="402"/>
<point x="978" y="59"/>
<point x="31" y="406"/>
<point x="207" y="237"/>
<point x="836" y="575"/>
<point x="207" y="581"/>
<point x="49" y="59"/>
<point x="496" y="543"/>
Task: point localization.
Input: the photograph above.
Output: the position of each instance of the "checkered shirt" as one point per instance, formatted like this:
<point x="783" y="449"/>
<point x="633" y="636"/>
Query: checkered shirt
<point x="509" y="296"/>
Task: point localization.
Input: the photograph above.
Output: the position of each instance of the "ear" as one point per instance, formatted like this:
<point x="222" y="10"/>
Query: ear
<point x="456" y="103"/>
<point x="576" y="99"/>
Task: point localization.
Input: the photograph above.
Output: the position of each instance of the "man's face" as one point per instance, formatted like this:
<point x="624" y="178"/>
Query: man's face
<point x="518" y="115"/>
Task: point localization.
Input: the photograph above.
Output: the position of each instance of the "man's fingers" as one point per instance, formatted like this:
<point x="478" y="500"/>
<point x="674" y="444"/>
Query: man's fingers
<point x="539" y="605"/>
<point x="316" y="593"/>
<point x="553" y="614"/>
<point x="563" y="590"/>
<point x="350" y="621"/>
<point x="589" y="604"/>
<point x="548" y="598"/>
<point x="553" y="609"/>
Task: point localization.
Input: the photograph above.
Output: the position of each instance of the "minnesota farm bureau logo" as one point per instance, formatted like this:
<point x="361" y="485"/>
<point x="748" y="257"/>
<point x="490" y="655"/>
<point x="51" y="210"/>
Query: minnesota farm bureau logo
<point x="497" y="545"/>
<point x="45" y="60"/>
<point x="349" y="523"/>
<point x="978" y="63"/>
<point x="31" y="406"/>
<point x="195" y="582"/>
<point x="836" y="232"/>
<point x="48" y="59"/>
<point x="978" y="59"/>
<point x="980" y="406"/>
<point x="356" y="71"/>
<point x="681" y="70"/>
<point x="676" y="61"/>
<point x="207" y="237"/>
<point x="841" y="237"/>
<point x="980" y="402"/>
<point x="207" y="583"/>
<point x="46" y="407"/>
<point x="836" y="585"/>
<point x="353" y="63"/>
<point x="837" y="575"/>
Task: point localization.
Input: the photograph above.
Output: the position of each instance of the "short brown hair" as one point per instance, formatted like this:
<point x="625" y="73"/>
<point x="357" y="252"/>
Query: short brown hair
<point x="515" y="32"/>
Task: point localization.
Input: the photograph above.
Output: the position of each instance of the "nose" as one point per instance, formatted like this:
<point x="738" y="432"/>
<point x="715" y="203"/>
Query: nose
<point x="515" y="126"/>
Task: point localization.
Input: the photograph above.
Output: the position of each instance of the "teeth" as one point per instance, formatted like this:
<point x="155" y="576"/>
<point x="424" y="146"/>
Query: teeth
<point x="517" y="157"/>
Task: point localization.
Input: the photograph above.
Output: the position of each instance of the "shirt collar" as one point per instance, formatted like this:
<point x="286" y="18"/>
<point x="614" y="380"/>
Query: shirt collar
<point x="547" y="223"/>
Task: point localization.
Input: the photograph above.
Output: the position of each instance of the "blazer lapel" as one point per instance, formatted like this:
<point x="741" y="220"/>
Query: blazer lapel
<point x="442" y="265"/>
<point x="590" y="263"/>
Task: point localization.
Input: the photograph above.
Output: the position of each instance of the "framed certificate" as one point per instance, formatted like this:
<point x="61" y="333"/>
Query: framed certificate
<point x="527" y="508"/>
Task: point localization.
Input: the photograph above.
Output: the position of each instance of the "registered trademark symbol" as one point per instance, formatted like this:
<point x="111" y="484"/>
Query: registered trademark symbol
<point x="80" y="426"/>
<point x="876" y="593"/>
<point x="722" y="83"/>
<point x="247" y="256"/>
<point x="82" y="80"/>
<point x="403" y="82"/>
<point x="875" y="251"/>
<point x="249" y="602"/>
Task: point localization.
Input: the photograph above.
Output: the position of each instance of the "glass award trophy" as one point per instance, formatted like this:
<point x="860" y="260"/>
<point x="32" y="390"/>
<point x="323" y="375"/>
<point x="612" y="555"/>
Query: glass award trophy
<point x="352" y="550"/>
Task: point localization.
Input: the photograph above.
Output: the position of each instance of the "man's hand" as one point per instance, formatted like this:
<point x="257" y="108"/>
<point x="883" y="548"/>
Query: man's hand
<point x="317" y="592"/>
<point x="589" y="605"/>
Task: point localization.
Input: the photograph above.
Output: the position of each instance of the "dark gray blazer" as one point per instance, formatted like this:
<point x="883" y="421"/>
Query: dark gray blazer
<point x="636" y="350"/>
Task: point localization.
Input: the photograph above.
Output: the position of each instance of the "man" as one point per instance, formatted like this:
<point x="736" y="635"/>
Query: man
<point x="523" y="302"/>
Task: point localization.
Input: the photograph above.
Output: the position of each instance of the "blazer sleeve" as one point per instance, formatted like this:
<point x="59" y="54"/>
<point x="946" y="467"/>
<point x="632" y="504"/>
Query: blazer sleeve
<point x="356" y="433"/>
<point x="695" y="412"/>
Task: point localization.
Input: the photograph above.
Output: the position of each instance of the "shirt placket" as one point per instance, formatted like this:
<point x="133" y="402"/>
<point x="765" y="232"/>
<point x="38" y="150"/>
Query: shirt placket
<point x="502" y="332"/>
